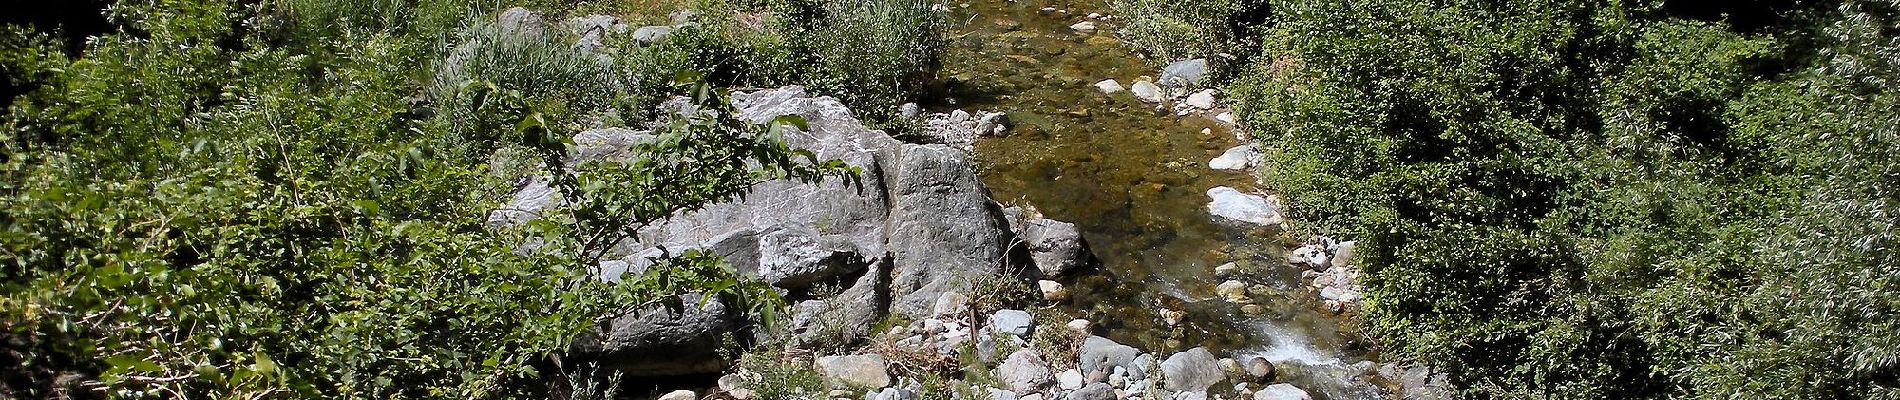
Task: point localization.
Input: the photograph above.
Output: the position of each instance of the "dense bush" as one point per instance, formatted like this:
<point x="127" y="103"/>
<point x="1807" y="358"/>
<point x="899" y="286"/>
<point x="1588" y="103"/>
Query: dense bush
<point x="1601" y="199"/>
<point x="213" y="202"/>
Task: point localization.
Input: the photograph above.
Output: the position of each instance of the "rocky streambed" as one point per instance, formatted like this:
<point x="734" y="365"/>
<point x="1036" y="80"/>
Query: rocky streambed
<point x="1117" y="192"/>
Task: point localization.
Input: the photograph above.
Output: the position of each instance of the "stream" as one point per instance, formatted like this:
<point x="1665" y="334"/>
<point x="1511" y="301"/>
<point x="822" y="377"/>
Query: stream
<point x="1134" y="180"/>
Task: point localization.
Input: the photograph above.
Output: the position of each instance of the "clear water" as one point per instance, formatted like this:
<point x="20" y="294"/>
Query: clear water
<point x="1135" y="181"/>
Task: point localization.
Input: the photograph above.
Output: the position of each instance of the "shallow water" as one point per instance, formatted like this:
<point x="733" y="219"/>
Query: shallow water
<point x="1135" y="181"/>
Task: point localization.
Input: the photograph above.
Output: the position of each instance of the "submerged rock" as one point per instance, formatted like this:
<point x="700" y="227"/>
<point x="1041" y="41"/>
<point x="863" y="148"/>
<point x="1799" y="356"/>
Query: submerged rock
<point x="1109" y="86"/>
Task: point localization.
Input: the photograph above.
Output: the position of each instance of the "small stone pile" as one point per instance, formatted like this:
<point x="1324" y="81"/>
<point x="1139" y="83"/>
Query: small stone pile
<point x="960" y="128"/>
<point x="1330" y="272"/>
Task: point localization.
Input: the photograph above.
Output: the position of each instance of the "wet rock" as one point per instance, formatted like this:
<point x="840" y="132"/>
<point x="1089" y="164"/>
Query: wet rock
<point x="1281" y="391"/>
<point x="679" y="395"/>
<point x="1014" y="322"/>
<point x="1231" y="204"/>
<point x="1228" y="269"/>
<point x="1024" y="371"/>
<point x="1260" y="369"/>
<point x="1192" y="370"/>
<point x="1233" y="290"/>
<point x="864" y="370"/>
<point x="1109" y="86"/>
<point x="1084" y="27"/>
<point x="1146" y="91"/>
<point x="1185" y="72"/>
<point x="1237" y="158"/>
<point x="1055" y="246"/>
<point x="1093" y="391"/>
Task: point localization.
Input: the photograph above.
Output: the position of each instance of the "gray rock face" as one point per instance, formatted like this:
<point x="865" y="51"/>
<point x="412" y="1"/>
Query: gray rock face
<point x="944" y="229"/>
<point x="866" y="370"/>
<point x="896" y="394"/>
<point x="1191" y="371"/>
<point x="522" y="20"/>
<point x="1232" y="205"/>
<point x="1024" y="371"/>
<point x="919" y="224"/>
<point x="1055" y="246"/>
<point x="1100" y="354"/>
<point x="661" y="341"/>
<point x="1185" y="72"/>
<point x="652" y="34"/>
<point x="1014" y="322"/>
<point x="1281" y="392"/>
<point x="591" y="31"/>
<point x="1094" y="391"/>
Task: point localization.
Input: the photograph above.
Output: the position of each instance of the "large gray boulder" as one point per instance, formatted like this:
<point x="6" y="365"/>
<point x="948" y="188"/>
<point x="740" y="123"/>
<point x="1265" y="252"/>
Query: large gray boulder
<point x="916" y="224"/>
<point x="944" y="229"/>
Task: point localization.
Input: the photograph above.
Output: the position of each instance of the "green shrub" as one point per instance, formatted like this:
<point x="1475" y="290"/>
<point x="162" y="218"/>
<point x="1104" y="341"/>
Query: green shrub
<point x="1598" y="200"/>
<point x="1174" y="30"/>
<point x="185" y="219"/>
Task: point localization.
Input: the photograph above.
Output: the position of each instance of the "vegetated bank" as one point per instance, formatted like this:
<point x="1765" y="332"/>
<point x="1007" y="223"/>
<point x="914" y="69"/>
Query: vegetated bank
<point x="291" y="198"/>
<point x="1587" y="199"/>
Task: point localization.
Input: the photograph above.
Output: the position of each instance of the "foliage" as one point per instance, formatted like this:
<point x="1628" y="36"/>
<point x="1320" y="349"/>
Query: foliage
<point x="1599" y="199"/>
<point x="1174" y="30"/>
<point x="196" y="208"/>
<point x="871" y="54"/>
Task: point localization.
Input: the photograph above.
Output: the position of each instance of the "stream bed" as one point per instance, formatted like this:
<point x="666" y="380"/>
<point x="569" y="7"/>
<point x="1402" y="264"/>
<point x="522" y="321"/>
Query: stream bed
<point x="1133" y="177"/>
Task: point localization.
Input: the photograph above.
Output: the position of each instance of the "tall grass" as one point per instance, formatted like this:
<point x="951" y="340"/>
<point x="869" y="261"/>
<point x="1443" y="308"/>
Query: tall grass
<point x="873" y="54"/>
<point x="541" y="65"/>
